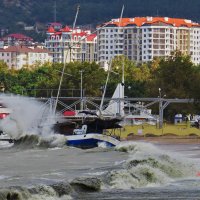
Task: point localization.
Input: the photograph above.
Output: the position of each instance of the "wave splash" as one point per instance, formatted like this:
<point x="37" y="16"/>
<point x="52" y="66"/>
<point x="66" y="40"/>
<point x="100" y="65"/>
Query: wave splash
<point x="57" y="191"/>
<point x="36" y="141"/>
<point x="30" y="123"/>
<point x="42" y="192"/>
<point x="27" y="116"/>
<point x="148" y="166"/>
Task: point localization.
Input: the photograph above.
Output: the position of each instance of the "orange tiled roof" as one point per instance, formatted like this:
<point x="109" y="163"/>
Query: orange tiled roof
<point x="91" y="37"/>
<point x="139" y="21"/>
<point x="66" y="29"/>
<point x="39" y="50"/>
<point x="21" y="49"/>
<point x="24" y="49"/>
<point x="81" y="34"/>
<point x="51" y="30"/>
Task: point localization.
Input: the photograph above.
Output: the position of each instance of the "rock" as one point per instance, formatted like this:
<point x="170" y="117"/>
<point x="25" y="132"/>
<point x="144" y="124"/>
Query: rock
<point x="86" y="184"/>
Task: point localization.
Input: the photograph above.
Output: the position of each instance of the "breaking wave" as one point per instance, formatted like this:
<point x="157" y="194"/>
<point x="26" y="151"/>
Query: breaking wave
<point x="42" y="192"/>
<point x="148" y="166"/>
<point x="57" y="191"/>
<point x="36" y="141"/>
<point x="30" y="123"/>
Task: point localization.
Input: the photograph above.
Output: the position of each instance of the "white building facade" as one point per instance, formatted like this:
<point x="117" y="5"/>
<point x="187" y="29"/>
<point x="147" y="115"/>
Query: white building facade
<point x="143" y="38"/>
<point x="17" y="57"/>
<point x="67" y="45"/>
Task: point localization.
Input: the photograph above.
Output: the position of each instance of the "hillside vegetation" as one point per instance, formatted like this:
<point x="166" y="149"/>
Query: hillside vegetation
<point x="16" y="12"/>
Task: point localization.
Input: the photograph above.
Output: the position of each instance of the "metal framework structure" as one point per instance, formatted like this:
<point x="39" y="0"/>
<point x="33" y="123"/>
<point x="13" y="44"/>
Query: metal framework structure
<point x="85" y="102"/>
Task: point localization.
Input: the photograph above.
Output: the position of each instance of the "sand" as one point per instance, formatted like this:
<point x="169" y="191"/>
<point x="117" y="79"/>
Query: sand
<point x="167" y="139"/>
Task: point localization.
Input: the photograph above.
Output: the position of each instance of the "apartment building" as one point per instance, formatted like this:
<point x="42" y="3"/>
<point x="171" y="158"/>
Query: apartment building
<point x="17" y="57"/>
<point x="143" y="38"/>
<point x="16" y="39"/>
<point x="69" y="45"/>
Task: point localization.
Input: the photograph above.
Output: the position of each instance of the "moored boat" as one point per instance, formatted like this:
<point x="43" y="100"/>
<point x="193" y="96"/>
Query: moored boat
<point x="93" y="133"/>
<point x="91" y="140"/>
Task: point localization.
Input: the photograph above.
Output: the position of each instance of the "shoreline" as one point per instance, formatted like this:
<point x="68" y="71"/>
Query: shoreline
<point x="165" y="139"/>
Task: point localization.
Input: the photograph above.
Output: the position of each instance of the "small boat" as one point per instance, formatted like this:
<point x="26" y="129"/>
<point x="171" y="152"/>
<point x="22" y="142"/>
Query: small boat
<point x="91" y="140"/>
<point x="92" y="134"/>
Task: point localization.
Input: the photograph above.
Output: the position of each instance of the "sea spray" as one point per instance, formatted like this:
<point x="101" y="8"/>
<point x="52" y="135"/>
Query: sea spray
<point x="148" y="166"/>
<point x="30" y="123"/>
<point x="25" y="117"/>
<point x="28" y="116"/>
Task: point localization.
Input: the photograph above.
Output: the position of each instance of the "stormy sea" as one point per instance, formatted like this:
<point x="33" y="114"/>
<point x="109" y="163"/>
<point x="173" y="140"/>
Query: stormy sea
<point x="40" y="166"/>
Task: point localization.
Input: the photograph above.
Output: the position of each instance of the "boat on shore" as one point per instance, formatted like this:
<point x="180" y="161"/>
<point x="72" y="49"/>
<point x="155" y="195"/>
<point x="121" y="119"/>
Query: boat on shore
<point x="86" y="140"/>
<point x="91" y="133"/>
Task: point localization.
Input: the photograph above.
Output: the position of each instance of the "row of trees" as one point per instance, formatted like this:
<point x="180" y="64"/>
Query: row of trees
<point x="92" y="12"/>
<point x="177" y="76"/>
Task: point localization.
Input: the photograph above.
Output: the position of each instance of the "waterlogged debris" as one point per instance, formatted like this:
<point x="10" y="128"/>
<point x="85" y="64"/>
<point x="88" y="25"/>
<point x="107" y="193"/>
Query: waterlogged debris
<point x="87" y="184"/>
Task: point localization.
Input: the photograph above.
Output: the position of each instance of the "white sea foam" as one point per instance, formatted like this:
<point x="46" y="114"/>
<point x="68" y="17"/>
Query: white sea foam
<point x="102" y="145"/>
<point x="28" y="117"/>
<point x="3" y="177"/>
<point x="149" y="166"/>
<point x="5" y="144"/>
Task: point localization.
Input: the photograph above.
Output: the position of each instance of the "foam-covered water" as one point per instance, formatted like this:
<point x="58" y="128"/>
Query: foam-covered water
<point x="149" y="166"/>
<point x="132" y="169"/>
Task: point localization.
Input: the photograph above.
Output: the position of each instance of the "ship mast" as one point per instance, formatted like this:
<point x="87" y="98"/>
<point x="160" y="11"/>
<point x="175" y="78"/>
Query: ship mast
<point x="63" y="70"/>
<point x="109" y="69"/>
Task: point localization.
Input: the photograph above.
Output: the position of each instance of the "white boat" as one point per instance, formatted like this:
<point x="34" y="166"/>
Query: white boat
<point x="91" y="134"/>
<point x="139" y="115"/>
<point x="91" y="140"/>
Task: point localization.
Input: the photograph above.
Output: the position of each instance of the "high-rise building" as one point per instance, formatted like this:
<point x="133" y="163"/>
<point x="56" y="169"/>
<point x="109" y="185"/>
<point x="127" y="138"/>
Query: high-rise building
<point x="143" y="38"/>
<point x="69" y="45"/>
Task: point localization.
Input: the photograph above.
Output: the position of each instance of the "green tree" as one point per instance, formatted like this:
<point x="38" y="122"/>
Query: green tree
<point x="135" y="76"/>
<point x="174" y="76"/>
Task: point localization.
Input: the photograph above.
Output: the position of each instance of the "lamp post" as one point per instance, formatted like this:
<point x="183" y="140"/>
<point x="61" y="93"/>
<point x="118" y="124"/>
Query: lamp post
<point x="161" y="108"/>
<point x="81" y="92"/>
